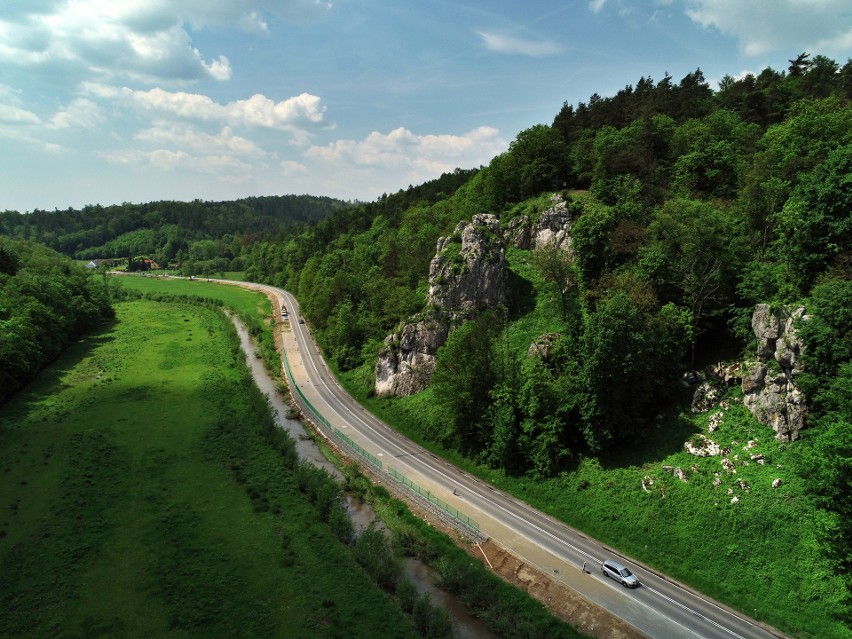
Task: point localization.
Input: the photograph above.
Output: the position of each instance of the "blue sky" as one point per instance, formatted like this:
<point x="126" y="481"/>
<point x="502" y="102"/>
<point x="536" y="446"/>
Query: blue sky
<point x="106" y="101"/>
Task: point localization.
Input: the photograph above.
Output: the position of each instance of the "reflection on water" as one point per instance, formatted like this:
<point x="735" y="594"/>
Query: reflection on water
<point x="422" y="576"/>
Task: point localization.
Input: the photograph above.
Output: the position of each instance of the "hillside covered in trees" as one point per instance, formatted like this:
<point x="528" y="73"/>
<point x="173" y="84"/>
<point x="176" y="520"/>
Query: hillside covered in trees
<point x="688" y="207"/>
<point x="212" y="234"/>
<point x="46" y="303"/>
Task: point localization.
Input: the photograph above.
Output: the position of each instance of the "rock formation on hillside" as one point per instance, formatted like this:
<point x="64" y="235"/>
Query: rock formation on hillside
<point x="468" y="272"/>
<point x="553" y="226"/>
<point x="769" y="390"/>
<point x="467" y="275"/>
<point x="407" y="360"/>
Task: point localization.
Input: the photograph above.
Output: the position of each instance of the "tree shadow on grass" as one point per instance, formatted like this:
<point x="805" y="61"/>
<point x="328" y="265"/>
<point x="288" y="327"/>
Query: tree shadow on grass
<point x="49" y="381"/>
<point x="521" y="295"/>
<point x="660" y="439"/>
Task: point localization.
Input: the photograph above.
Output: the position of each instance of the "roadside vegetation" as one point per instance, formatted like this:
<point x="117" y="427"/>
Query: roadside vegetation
<point x="507" y="610"/>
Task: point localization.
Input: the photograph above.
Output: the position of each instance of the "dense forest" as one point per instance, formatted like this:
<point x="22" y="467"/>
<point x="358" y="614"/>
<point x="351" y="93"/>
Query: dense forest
<point x="210" y="235"/>
<point x="690" y="205"/>
<point x="46" y="303"/>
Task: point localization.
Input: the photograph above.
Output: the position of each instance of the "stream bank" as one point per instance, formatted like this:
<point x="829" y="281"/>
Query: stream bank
<point x="465" y="625"/>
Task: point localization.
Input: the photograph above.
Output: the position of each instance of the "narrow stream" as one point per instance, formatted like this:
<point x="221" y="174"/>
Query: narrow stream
<point x="465" y="626"/>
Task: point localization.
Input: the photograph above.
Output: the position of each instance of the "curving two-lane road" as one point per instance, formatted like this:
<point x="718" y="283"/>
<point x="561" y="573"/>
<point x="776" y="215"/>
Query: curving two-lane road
<point x="659" y="608"/>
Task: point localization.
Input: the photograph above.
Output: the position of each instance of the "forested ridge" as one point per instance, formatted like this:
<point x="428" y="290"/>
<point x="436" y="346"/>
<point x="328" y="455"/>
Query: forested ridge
<point x="169" y="231"/>
<point x="689" y="205"/>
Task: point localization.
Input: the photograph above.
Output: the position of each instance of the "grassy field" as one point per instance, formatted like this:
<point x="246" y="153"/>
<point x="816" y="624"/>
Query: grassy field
<point x="141" y="499"/>
<point x="246" y="302"/>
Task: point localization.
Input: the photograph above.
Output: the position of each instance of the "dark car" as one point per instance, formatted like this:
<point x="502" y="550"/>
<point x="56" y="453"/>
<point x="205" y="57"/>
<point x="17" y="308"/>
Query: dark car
<point x="621" y="574"/>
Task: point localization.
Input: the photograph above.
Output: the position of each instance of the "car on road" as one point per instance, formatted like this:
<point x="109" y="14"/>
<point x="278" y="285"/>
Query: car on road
<point x="621" y="574"/>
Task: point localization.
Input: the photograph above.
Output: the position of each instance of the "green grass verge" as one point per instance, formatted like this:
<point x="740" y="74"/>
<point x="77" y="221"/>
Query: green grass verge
<point x="141" y="497"/>
<point x="243" y="301"/>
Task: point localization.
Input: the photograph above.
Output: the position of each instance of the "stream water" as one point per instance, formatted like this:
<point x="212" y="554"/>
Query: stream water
<point x="465" y="625"/>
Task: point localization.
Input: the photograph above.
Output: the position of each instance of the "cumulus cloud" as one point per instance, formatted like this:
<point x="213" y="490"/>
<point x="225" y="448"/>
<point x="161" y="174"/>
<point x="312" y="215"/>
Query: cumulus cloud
<point x="79" y="114"/>
<point x="175" y="160"/>
<point x="147" y="40"/>
<point x="399" y="158"/>
<point x="501" y="43"/>
<point x="295" y="115"/>
<point x="10" y="114"/>
<point x="188" y="138"/>
<point x="764" y="26"/>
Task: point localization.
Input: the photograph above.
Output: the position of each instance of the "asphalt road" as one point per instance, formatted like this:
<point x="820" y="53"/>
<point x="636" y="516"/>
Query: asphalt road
<point x="659" y="607"/>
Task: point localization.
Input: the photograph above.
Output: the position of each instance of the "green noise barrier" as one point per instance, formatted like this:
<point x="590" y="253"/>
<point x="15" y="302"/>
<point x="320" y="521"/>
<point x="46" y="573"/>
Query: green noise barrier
<point x="322" y="421"/>
<point x="435" y="501"/>
<point x="448" y="513"/>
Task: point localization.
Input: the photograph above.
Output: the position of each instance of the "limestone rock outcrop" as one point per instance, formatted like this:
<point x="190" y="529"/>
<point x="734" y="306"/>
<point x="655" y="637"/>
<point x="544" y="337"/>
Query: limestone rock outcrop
<point x="769" y="389"/>
<point x="554" y="226"/>
<point x="518" y="232"/>
<point x="467" y="275"/>
<point x="407" y="360"/>
<point x="469" y="272"/>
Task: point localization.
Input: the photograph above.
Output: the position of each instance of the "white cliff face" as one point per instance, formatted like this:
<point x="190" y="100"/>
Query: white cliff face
<point x="769" y="389"/>
<point x="406" y="362"/>
<point x="469" y="272"/>
<point x="553" y="228"/>
<point x="467" y="275"/>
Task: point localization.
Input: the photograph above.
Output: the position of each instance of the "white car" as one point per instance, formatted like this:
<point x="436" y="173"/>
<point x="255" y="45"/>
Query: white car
<point x="621" y="574"/>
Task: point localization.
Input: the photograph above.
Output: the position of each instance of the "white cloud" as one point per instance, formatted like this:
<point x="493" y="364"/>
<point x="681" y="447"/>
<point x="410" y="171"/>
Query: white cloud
<point x="381" y="161"/>
<point x="501" y="43"/>
<point x="296" y="115"/>
<point x="187" y="138"/>
<point x="10" y="114"/>
<point x="147" y="40"/>
<point x="596" y="5"/>
<point x="175" y="160"/>
<point x="764" y="26"/>
<point x="79" y="114"/>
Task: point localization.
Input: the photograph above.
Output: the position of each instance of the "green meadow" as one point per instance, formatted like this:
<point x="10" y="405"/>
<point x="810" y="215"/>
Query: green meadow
<point x="141" y="497"/>
<point x="244" y="302"/>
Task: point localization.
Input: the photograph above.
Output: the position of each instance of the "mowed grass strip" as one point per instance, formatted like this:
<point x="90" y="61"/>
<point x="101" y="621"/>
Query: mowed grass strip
<point x="141" y="498"/>
<point x="243" y="301"/>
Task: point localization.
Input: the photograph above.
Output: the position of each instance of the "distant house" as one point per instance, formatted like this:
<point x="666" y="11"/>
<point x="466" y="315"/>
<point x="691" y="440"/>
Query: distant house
<point x="151" y="265"/>
<point x="97" y="263"/>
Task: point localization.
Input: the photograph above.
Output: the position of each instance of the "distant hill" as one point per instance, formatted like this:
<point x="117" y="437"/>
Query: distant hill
<point x="166" y="230"/>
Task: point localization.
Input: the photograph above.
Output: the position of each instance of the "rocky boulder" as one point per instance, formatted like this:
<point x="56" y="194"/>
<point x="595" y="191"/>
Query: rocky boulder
<point x="518" y="232"/>
<point x="553" y="228"/>
<point x="407" y="360"/>
<point x="769" y="389"/>
<point x="469" y="272"/>
<point x="542" y="346"/>
<point x="467" y="275"/>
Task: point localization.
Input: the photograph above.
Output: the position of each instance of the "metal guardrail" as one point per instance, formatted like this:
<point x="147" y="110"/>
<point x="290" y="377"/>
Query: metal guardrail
<point x="318" y="419"/>
<point x="442" y="509"/>
<point x="447" y="512"/>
